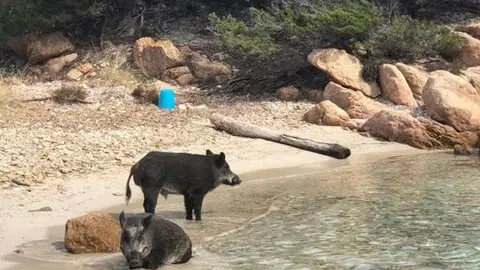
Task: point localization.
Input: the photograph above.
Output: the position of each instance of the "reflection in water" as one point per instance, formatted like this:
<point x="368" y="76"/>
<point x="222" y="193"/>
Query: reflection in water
<point x="410" y="212"/>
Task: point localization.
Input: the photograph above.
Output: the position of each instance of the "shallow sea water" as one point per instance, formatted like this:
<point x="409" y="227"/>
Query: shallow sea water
<point x="406" y="212"/>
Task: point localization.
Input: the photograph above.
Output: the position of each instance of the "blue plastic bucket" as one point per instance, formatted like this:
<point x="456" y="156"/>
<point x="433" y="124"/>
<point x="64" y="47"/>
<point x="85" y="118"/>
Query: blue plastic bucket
<point x="166" y="99"/>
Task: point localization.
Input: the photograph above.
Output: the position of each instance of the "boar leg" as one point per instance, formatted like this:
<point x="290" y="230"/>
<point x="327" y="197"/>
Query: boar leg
<point x="197" y="205"/>
<point x="188" y="205"/>
<point x="150" y="195"/>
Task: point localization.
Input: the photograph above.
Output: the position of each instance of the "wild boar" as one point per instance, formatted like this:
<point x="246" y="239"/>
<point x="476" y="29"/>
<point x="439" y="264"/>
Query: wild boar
<point x="190" y="175"/>
<point x="150" y="241"/>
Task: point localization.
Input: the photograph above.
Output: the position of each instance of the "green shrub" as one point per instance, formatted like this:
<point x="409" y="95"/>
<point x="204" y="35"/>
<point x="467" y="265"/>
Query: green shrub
<point x="347" y="20"/>
<point x="21" y="15"/>
<point x="237" y="35"/>
<point x="265" y="33"/>
<point x="407" y="38"/>
<point x="447" y="43"/>
<point x="371" y="66"/>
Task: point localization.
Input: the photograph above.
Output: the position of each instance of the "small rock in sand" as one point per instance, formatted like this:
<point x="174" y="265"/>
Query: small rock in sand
<point x="43" y="209"/>
<point x="21" y="182"/>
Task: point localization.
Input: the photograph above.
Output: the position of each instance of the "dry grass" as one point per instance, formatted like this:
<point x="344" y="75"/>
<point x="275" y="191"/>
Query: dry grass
<point x="70" y="94"/>
<point x="116" y="66"/>
<point x="15" y="78"/>
<point x="8" y="82"/>
<point x="7" y="95"/>
<point x="118" y="76"/>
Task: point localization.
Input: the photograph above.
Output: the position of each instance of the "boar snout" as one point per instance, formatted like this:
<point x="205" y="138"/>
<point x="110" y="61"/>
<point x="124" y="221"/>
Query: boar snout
<point x="135" y="260"/>
<point x="236" y="180"/>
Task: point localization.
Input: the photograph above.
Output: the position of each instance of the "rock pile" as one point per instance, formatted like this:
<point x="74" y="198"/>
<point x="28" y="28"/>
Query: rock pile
<point x="180" y="66"/>
<point x="47" y="54"/>
<point x="50" y="54"/>
<point x="450" y="103"/>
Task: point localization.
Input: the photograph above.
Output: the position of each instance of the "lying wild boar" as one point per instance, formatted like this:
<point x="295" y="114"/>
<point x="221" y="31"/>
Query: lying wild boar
<point x="191" y="175"/>
<point x="149" y="241"/>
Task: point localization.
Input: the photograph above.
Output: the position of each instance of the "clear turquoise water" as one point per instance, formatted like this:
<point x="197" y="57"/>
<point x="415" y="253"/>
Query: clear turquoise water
<point x="407" y="212"/>
<point x="411" y="212"/>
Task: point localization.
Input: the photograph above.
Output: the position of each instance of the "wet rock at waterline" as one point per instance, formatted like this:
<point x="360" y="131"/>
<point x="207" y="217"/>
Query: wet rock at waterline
<point x="93" y="233"/>
<point x="419" y="132"/>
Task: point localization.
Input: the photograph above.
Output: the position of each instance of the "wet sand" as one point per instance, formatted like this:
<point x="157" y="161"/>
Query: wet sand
<point x="225" y="209"/>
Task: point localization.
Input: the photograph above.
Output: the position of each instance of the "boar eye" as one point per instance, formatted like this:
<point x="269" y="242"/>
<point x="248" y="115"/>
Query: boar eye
<point x="127" y="237"/>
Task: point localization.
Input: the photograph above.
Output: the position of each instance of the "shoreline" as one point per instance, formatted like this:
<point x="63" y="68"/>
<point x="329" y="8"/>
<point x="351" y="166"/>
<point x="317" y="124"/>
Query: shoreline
<point x="97" y="192"/>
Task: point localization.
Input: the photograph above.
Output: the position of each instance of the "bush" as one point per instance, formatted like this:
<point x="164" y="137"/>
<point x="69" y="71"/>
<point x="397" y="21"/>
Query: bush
<point x="349" y="20"/>
<point x="282" y="38"/>
<point x="23" y="15"/>
<point x="70" y="94"/>
<point x="407" y="38"/>
<point x="265" y="33"/>
<point x="237" y="35"/>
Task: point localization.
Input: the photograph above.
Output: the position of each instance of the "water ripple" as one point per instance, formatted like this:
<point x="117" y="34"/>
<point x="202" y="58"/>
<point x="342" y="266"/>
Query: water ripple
<point x="405" y="213"/>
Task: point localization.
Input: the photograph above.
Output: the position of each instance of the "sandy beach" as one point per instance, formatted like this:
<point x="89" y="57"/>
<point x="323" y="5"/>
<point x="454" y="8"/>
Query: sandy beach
<point x="75" y="159"/>
<point x="83" y="193"/>
<point x="76" y="115"/>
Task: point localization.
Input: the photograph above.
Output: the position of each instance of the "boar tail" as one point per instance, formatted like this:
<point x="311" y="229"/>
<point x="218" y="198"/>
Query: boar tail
<point x="128" y="191"/>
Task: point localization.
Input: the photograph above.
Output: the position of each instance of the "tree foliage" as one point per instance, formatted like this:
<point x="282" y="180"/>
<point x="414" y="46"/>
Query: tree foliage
<point x="23" y="15"/>
<point x="407" y="38"/>
<point x="286" y="35"/>
<point x="266" y="33"/>
<point x="258" y="33"/>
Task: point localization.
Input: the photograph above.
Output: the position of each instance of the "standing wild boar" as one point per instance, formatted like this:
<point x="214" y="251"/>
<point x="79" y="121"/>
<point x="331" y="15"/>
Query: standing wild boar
<point x="190" y="175"/>
<point x="149" y="241"/>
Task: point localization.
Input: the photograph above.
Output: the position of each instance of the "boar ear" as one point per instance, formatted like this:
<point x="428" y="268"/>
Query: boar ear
<point x="220" y="159"/>
<point x="146" y="221"/>
<point x="122" y="219"/>
<point x="209" y="153"/>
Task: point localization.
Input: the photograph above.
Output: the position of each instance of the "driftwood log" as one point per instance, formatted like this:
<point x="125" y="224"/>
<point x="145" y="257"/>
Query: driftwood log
<point x="248" y="130"/>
